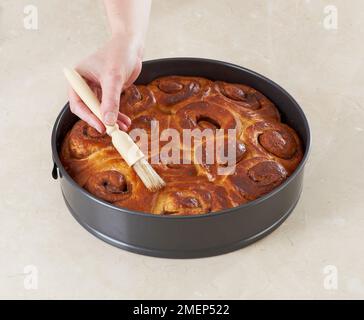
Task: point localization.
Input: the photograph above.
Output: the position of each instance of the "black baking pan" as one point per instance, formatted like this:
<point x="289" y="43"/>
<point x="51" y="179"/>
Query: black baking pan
<point x="188" y="236"/>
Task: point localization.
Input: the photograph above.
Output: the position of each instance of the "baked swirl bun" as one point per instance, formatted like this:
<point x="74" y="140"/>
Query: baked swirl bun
<point x="257" y="176"/>
<point x="82" y="141"/>
<point x="173" y="92"/>
<point x="247" y="101"/>
<point x="191" y="196"/>
<point x="276" y="141"/>
<point x="135" y="100"/>
<point x="265" y="151"/>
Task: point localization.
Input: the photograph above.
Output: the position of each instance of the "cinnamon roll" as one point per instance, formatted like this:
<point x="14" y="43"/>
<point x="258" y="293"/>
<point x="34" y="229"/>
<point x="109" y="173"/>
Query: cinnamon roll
<point x="172" y="91"/>
<point x="190" y="198"/>
<point x="171" y="171"/>
<point x="109" y="185"/>
<point x="205" y="115"/>
<point x="276" y="141"/>
<point x="257" y="176"/>
<point x="84" y="140"/>
<point x="224" y="153"/>
<point x="135" y="100"/>
<point x="245" y="100"/>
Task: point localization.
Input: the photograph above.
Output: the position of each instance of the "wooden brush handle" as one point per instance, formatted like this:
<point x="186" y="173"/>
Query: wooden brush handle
<point x="120" y="139"/>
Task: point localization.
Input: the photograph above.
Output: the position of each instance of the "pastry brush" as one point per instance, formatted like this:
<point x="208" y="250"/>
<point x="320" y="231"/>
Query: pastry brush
<point x="122" y="142"/>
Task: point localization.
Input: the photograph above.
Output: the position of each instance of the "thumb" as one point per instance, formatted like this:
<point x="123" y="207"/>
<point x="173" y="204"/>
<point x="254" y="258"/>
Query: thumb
<point x="111" y="91"/>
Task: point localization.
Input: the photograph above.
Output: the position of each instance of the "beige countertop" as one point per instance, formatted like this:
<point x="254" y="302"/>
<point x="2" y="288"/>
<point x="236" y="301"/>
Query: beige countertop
<point x="288" y="41"/>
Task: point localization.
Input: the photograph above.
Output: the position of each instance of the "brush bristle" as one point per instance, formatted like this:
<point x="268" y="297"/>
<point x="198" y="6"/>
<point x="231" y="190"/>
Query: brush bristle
<point x="148" y="175"/>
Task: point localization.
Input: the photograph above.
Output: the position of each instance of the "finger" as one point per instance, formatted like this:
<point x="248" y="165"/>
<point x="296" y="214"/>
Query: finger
<point x="80" y="109"/>
<point x="134" y="75"/>
<point x="124" y="118"/>
<point x="122" y="126"/>
<point x="111" y="90"/>
<point x="87" y="71"/>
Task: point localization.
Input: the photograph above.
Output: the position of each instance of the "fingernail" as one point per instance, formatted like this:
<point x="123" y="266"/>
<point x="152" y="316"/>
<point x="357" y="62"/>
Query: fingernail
<point x="100" y="129"/>
<point x="110" y="118"/>
<point x="97" y="126"/>
<point x="122" y="126"/>
<point x="128" y="122"/>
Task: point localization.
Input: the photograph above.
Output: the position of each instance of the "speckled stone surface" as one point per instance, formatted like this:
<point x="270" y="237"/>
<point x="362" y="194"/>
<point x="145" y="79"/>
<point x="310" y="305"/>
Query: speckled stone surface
<point x="288" y="41"/>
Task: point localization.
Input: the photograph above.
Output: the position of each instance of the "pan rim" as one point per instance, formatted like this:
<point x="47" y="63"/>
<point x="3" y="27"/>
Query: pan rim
<point x="56" y="158"/>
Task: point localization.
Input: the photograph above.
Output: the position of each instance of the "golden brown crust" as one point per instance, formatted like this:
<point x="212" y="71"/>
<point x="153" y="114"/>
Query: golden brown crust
<point x="267" y="151"/>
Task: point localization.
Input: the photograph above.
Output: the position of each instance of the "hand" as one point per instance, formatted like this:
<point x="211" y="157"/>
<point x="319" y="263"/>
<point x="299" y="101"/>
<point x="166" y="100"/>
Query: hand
<point x="113" y="67"/>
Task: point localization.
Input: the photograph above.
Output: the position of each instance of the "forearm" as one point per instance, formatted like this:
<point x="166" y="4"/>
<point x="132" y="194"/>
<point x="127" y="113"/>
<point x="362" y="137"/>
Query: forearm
<point x="128" y="18"/>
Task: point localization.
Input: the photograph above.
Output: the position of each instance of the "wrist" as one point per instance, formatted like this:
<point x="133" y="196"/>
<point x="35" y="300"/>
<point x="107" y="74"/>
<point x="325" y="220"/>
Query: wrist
<point x="134" y="41"/>
<point x="126" y="34"/>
